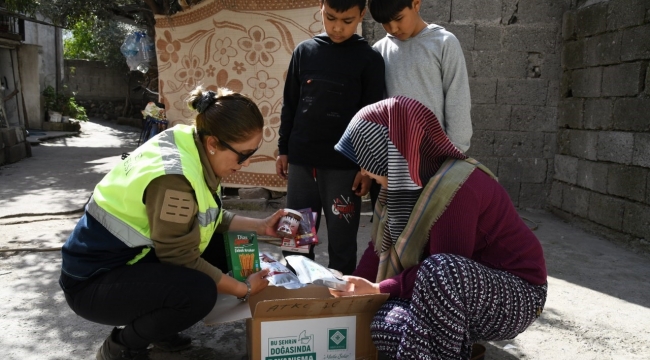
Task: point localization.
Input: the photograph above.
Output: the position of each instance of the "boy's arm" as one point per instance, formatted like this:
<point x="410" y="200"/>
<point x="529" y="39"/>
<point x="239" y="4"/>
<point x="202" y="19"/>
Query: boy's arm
<point x="373" y="80"/>
<point x="289" y="105"/>
<point x="458" y="104"/>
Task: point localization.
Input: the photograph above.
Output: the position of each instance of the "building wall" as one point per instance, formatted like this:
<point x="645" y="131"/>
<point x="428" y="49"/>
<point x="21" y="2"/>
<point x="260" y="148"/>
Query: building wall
<point x="512" y="50"/>
<point x="602" y="167"/>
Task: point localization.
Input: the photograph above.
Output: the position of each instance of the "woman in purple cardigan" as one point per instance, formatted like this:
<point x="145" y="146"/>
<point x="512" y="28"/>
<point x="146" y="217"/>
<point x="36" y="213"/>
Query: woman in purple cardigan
<point x="447" y="243"/>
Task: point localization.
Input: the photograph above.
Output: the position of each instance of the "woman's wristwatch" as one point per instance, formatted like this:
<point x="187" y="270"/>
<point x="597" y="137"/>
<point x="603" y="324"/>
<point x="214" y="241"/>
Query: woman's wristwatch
<point x="248" y="292"/>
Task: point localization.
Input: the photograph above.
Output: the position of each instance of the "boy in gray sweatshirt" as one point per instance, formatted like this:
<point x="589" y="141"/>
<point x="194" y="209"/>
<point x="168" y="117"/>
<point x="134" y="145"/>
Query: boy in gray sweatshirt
<point x="425" y="62"/>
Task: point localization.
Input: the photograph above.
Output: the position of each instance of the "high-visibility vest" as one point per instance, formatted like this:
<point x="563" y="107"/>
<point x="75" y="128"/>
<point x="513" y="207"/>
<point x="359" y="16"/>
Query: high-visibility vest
<point x="117" y="201"/>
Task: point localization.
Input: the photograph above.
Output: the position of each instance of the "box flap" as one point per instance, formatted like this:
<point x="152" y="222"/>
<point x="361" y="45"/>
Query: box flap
<point x="227" y="308"/>
<point x="313" y="307"/>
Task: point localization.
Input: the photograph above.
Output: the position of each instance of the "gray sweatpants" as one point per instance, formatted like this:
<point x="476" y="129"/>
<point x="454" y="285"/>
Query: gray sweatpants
<point x="329" y="190"/>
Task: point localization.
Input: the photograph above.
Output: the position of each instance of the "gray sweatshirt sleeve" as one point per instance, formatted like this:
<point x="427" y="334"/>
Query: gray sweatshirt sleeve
<point x="458" y="104"/>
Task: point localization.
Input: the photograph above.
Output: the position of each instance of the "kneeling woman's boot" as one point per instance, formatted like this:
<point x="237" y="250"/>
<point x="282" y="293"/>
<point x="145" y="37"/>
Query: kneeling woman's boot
<point x="111" y="349"/>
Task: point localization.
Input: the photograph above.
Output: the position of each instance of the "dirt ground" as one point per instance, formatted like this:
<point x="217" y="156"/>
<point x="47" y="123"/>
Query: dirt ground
<point x="598" y="304"/>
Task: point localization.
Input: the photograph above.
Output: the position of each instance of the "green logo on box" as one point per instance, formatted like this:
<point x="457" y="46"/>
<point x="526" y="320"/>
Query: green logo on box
<point x="338" y="339"/>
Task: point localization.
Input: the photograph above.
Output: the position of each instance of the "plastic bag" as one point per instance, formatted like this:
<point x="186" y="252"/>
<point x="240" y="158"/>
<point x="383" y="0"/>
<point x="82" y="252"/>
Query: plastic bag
<point x="279" y="275"/>
<point x="138" y="48"/>
<point x="152" y="110"/>
<point x="309" y="271"/>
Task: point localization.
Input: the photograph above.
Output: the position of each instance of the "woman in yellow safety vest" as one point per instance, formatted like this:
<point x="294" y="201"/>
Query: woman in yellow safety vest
<point x="148" y="253"/>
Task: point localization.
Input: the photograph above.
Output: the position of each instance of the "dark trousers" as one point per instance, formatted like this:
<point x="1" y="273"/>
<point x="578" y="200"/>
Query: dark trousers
<point x="329" y="191"/>
<point x="152" y="300"/>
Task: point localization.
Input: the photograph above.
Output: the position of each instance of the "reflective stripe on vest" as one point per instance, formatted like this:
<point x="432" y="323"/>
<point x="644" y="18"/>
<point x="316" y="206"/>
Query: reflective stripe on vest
<point x="117" y="201"/>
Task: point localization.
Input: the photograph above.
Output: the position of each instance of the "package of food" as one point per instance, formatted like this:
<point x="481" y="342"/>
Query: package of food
<point x="311" y="272"/>
<point x="289" y="244"/>
<point x="307" y="230"/>
<point x="279" y="275"/>
<point x="289" y="224"/>
<point x="242" y="253"/>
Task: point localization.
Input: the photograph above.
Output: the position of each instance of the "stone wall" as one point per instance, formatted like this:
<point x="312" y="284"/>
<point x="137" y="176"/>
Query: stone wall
<point x="602" y="168"/>
<point x="102" y="90"/>
<point x="512" y="49"/>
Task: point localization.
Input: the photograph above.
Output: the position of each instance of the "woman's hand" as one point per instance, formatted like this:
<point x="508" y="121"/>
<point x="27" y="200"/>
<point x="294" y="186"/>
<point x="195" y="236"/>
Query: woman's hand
<point x="269" y="226"/>
<point x="258" y="281"/>
<point x="356" y="286"/>
<point x="361" y="184"/>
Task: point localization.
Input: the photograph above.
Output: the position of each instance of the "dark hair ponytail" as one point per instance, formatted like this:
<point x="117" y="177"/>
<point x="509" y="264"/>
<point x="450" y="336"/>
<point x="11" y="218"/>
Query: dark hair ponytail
<point x="230" y="116"/>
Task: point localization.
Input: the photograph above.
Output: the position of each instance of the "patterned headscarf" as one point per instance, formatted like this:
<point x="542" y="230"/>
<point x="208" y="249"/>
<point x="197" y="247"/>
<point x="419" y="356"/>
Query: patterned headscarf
<point x="402" y="139"/>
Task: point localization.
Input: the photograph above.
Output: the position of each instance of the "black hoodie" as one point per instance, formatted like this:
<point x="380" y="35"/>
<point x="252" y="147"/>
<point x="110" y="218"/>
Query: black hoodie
<point x="327" y="83"/>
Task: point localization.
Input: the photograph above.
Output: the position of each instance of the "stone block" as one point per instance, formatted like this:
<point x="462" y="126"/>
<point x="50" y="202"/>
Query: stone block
<point x="626" y="13"/>
<point x="555" y="197"/>
<point x="488" y="37"/>
<point x="483" y="90"/>
<point x="69" y="126"/>
<point x="436" y="11"/>
<point x="499" y="64"/>
<point x="482" y="143"/>
<point x="9" y="137"/>
<point x="632" y="114"/>
<point x="550" y="145"/>
<point x="510" y="169"/>
<point x="566" y="169"/>
<point x="533" y="196"/>
<point x="28" y="149"/>
<point x="593" y="175"/>
<point x="623" y="80"/>
<point x="569" y="25"/>
<point x="586" y="82"/>
<point x="641" y="155"/>
<point x="469" y="63"/>
<point x="563" y="141"/>
<point x="570" y="113"/>
<point x="606" y="210"/>
<point x="530" y="38"/>
<point x="636" y="220"/>
<point x="615" y="146"/>
<point x="476" y="10"/>
<point x="254" y="193"/>
<point x="573" y="54"/>
<point x="534" y="170"/>
<point x="20" y="134"/>
<point x="576" y="201"/>
<point x="512" y="188"/>
<point x="583" y="144"/>
<point x="636" y="43"/>
<point x="509" y="12"/>
<point x="598" y="114"/>
<point x="464" y="33"/>
<point x="627" y="181"/>
<point x="15" y="153"/>
<point x="603" y="49"/>
<point x="591" y="20"/>
<point x="3" y="159"/>
<point x="533" y="118"/>
<point x="245" y="204"/>
<point x="545" y="12"/>
<point x="553" y="96"/>
<point x="647" y="192"/>
<point x="522" y="92"/>
<point x="491" y="117"/>
<point x="565" y="84"/>
<point x="518" y="144"/>
<point x="550" y="66"/>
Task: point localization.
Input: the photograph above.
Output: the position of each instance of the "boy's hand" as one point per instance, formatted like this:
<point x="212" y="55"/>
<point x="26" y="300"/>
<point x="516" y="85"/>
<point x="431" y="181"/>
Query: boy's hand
<point x="282" y="166"/>
<point x="361" y="184"/>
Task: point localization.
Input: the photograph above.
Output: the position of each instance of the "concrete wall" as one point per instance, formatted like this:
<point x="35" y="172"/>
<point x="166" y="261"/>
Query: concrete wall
<point x="602" y="169"/>
<point x="29" y="61"/>
<point x="50" y="40"/>
<point x="512" y="49"/>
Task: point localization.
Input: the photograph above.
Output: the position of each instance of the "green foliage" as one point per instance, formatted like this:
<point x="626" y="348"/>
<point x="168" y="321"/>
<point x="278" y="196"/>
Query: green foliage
<point x="66" y="105"/>
<point x="97" y="39"/>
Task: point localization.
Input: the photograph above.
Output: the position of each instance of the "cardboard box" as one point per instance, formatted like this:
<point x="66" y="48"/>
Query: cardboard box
<point x="303" y="324"/>
<point x="242" y="253"/>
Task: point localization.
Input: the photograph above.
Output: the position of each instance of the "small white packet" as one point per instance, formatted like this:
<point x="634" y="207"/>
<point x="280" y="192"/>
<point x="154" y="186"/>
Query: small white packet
<point x="309" y="271"/>
<point x="279" y="275"/>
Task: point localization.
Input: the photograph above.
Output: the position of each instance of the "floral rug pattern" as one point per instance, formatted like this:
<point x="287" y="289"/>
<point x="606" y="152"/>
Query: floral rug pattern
<point x="244" y="45"/>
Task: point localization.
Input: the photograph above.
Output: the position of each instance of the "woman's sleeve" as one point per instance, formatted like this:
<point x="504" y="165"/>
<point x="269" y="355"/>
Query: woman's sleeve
<point x="176" y="235"/>
<point x="368" y="264"/>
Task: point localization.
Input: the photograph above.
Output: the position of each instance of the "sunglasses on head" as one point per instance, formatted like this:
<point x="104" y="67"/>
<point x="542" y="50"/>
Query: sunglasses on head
<point x="240" y="157"/>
